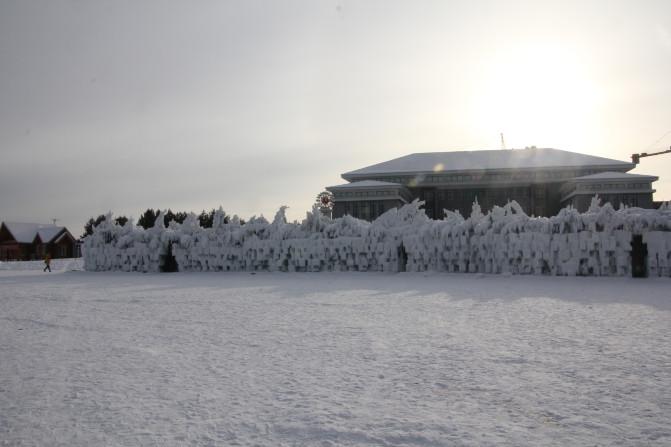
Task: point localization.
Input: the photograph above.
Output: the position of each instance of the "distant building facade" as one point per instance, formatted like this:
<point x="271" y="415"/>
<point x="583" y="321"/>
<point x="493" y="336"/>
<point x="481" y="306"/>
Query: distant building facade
<point x="28" y="241"/>
<point x="541" y="180"/>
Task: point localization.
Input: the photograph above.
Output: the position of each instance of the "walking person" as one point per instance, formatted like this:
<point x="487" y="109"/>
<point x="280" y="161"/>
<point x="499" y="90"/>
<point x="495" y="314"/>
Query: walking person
<point x="47" y="262"/>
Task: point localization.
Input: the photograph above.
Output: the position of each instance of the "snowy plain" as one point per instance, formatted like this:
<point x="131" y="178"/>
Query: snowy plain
<point x="329" y="359"/>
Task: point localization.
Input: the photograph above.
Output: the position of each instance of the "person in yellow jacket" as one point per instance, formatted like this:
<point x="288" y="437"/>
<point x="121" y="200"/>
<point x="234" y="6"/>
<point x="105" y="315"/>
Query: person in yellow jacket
<point x="47" y="262"/>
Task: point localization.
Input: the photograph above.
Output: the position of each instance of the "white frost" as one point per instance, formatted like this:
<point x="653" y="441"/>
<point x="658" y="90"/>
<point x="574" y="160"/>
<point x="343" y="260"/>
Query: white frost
<point x="504" y="240"/>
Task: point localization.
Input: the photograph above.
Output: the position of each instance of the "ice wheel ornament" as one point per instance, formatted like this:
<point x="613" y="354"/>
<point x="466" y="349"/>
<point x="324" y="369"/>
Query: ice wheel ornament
<point x="325" y="200"/>
<point x="325" y="203"/>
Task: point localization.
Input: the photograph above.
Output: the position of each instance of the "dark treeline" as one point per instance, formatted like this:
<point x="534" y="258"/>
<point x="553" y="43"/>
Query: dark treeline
<point x="148" y="218"/>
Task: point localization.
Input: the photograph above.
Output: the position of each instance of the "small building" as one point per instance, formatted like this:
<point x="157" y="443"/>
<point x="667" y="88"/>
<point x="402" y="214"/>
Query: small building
<point x="368" y="199"/>
<point x="616" y="188"/>
<point x="29" y="241"/>
<point x="541" y="180"/>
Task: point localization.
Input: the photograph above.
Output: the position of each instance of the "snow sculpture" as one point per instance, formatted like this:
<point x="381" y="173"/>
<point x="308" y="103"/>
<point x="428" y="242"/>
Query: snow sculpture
<point x="503" y="240"/>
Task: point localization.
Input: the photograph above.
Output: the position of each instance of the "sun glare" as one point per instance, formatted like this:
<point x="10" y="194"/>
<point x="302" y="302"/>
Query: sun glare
<point x="537" y="95"/>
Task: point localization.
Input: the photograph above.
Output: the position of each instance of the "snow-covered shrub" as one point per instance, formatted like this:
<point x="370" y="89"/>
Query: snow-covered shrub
<point x="504" y="240"/>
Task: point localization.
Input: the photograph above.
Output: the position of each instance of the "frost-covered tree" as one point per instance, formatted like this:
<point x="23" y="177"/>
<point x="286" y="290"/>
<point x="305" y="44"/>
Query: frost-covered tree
<point x="147" y="218"/>
<point x="121" y="220"/>
<point x="207" y="219"/>
<point x="503" y="240"/>
<point x="178" y="217"/>
<point x="91" y="224"/>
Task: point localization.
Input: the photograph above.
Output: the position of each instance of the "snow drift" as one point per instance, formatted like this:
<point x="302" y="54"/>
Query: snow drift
<point x="505" y="240"/>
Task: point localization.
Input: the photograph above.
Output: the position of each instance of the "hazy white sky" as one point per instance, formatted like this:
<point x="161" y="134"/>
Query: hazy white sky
<point x="125" y="105"/>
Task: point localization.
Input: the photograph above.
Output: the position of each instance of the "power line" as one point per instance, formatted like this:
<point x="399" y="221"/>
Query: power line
<point x="658" y="140"/>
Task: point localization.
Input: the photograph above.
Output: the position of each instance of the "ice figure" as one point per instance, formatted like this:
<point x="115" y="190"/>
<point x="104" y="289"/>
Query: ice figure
<point x="503" y="240"/>
<point x="280" y="216"/>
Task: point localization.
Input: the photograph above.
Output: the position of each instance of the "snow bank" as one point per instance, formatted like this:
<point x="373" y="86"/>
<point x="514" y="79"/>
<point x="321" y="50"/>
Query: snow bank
<point x="505" y="240"/>
<point x="61" y="264"/>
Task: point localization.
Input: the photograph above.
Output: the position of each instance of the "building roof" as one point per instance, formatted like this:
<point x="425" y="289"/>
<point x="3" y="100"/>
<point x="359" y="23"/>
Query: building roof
<point x="609" y="175"/>
<point x="528" y="158"/>
<point x="63" y="235"/>
<point x="49" y="233"/>
<point x="25" y="232"/>
<point x="366" y="184"/>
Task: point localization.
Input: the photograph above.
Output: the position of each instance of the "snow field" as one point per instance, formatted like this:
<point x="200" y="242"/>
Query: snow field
<point x="327" y="359"/>
<point x="505" y="240"/>
<point x="56" y="264"/>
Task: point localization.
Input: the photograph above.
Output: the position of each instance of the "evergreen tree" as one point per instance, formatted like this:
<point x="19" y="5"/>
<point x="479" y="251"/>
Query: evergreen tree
<point x="147" y="218"/>
<point x="181" y="216"/>
<point x="168" y="217"/>
<point x="121" y="220"/>
<point x="207" y="219"/>
<point x="178" y="217"/>
<point x="91" y="224"/>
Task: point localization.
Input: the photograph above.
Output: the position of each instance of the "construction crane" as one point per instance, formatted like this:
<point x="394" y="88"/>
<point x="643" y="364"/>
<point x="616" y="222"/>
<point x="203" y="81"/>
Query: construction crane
<point x="636" y="158"/>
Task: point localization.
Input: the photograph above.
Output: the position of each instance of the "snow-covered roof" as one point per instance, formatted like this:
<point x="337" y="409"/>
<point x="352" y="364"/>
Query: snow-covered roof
<point x="366" y="184"/>
<point x="63" y="235"/>
<point x="48" y="233"/>
<point x="25" y="232"/>
<point x="616" y="176"/>
<point x="486" y="159"/>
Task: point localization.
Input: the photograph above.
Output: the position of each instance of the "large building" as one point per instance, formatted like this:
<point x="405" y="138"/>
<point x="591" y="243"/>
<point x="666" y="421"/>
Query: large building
<point x="541" y="180"/>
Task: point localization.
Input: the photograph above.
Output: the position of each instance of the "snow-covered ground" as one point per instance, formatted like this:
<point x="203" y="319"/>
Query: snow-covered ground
<point x="324" y="359"/>
<point x="56" y="264"/>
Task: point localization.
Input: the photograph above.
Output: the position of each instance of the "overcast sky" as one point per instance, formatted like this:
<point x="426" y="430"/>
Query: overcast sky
<point x="125" y="105"/>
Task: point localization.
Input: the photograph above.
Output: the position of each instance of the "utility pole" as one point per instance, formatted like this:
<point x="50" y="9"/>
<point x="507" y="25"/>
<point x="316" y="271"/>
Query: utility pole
<point x="503" y="142"/>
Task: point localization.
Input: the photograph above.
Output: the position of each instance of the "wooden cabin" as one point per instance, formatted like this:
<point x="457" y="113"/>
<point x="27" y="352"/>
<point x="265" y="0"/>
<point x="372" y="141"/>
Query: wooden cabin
<point x="29" y="241"/>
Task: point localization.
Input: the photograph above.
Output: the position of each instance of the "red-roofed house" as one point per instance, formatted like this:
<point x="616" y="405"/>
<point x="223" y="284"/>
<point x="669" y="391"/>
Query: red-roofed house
<point x="26" y="241"/>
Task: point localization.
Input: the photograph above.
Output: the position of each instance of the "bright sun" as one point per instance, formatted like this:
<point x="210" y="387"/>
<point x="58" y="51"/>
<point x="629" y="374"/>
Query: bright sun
<point x="537" y="95"/>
